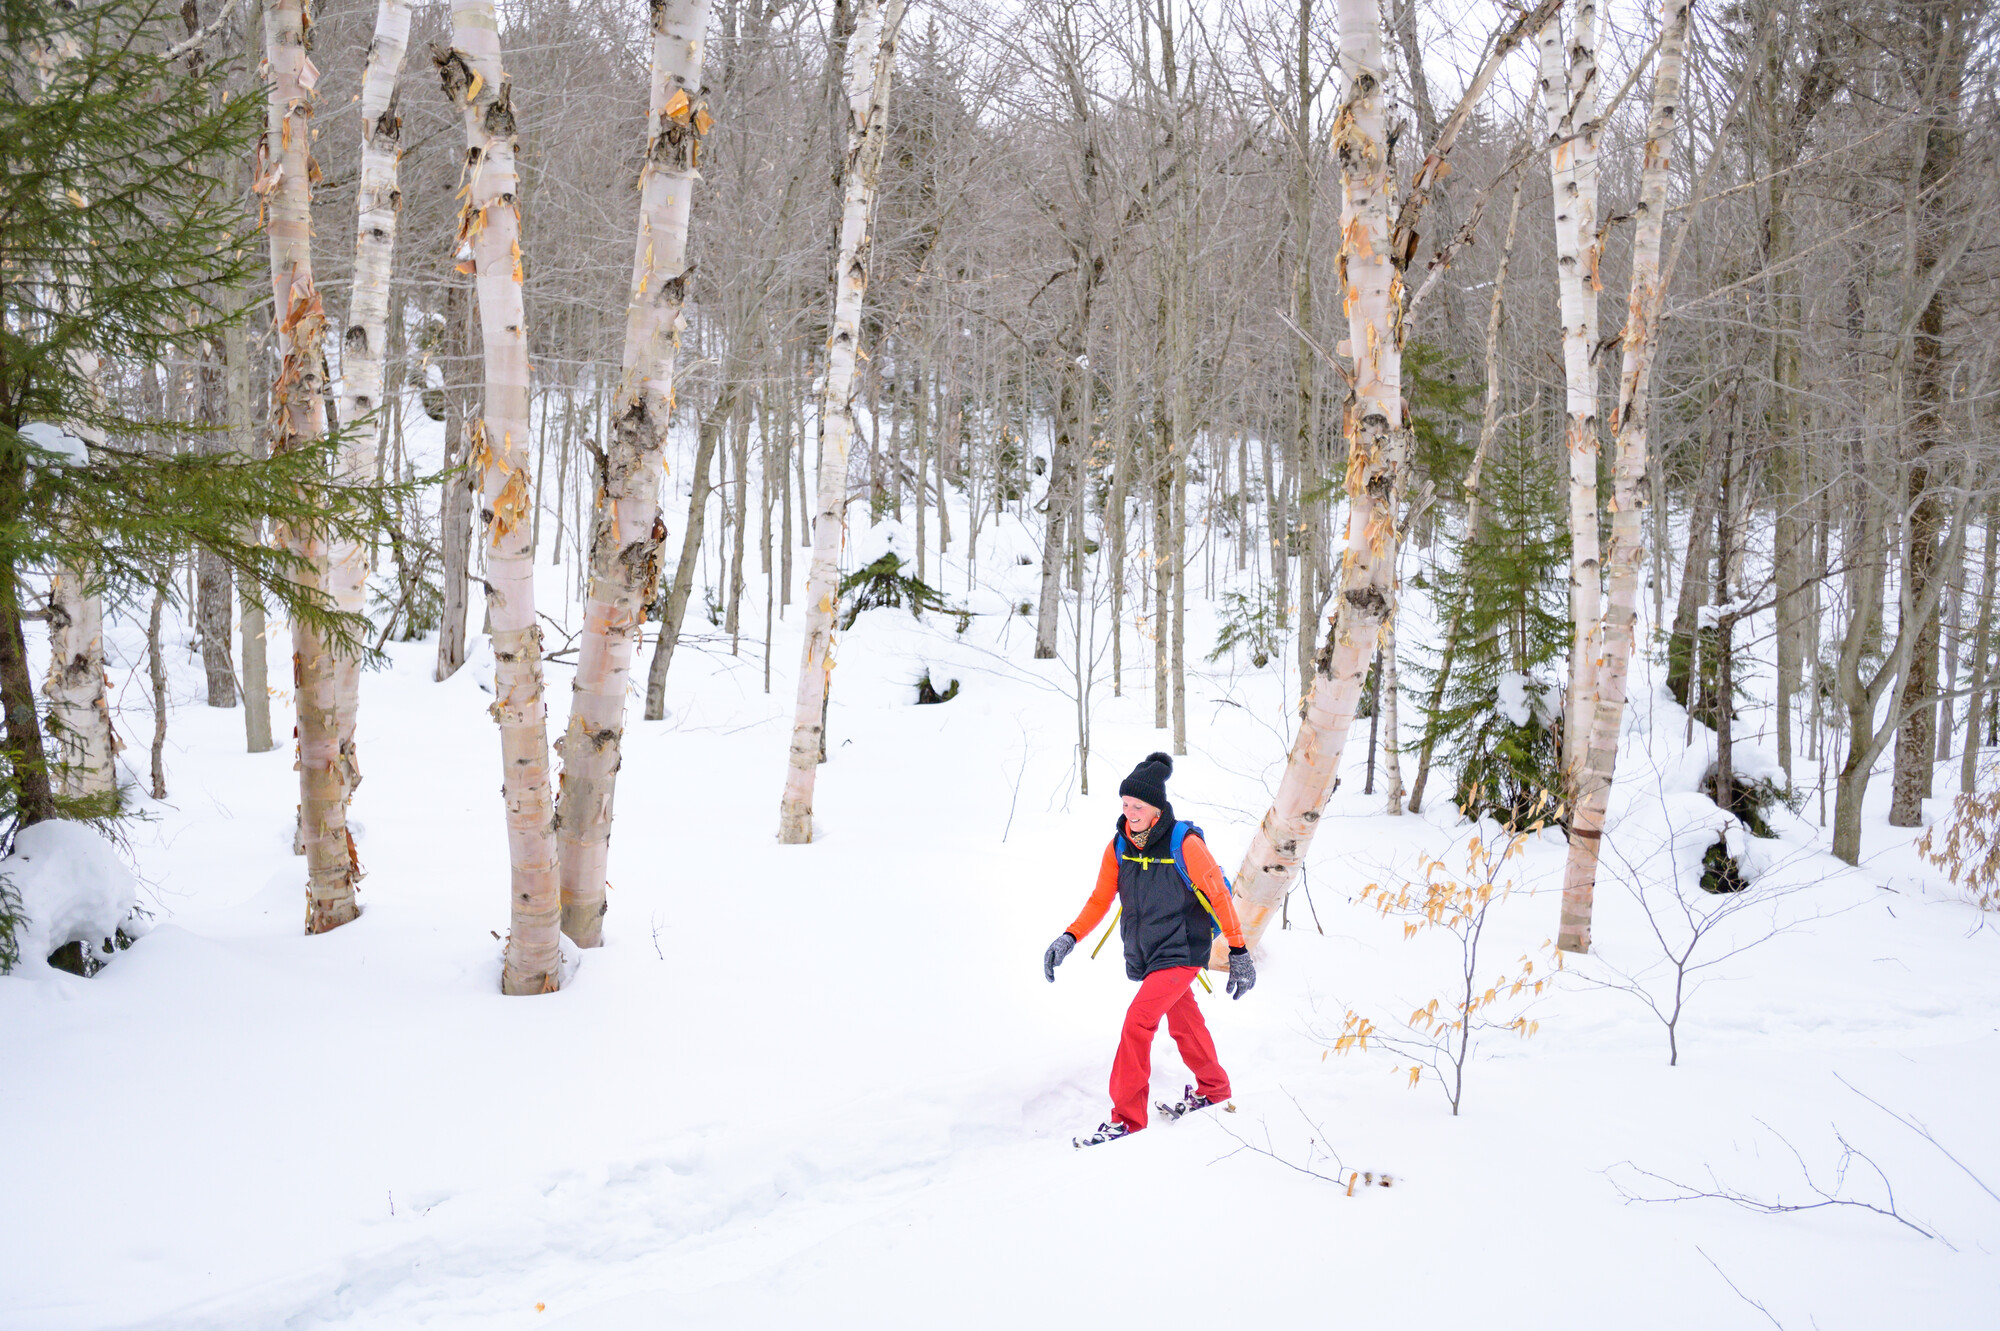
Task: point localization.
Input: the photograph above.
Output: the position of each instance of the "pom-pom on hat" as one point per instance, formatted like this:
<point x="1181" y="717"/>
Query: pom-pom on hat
<point x="1148" y="781"/>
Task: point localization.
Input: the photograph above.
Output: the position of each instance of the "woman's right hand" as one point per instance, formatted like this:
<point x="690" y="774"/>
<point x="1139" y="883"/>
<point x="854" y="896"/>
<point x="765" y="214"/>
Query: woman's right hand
<point x="1054" y="956"/>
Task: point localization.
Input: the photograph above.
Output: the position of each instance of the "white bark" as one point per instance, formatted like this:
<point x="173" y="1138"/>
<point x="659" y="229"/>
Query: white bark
<point x="86" y="753"/>
<point x="1629" y="486"/>
<point x="1571" y="106"/>
<point x="625" y="539"/>
<point x="79" y="715"/>
<point x="298" y="415"/>
<point x="870" y="62"/>
<point x="362" y="345"/>
<point x="1372" y="421"/>
<point x="490" y="238"/>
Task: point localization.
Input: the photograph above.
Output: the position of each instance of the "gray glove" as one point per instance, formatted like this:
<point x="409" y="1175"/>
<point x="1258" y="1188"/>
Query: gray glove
<point x="1242" y="972"/>
<point x="1054" y="956"/>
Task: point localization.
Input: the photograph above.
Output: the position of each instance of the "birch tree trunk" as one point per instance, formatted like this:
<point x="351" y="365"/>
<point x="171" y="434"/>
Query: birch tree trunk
<point x="298" y="414"/>
<point x="871" y="53"/>
<point x="627" y="532"/>
<point x="1371" y="421"/>
<point x="475" y="80"/>
<point x="1571" y="106"/>
<point x="79" y="716"/>
<point x="86" y="757"/>
<point x="361" y="346"/>
<point x="250" y="617"/>
<point x="1629" y="495"/>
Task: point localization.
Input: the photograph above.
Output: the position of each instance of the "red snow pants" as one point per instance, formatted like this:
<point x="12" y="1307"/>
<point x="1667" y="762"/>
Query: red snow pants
<point x="1167" y="993"/>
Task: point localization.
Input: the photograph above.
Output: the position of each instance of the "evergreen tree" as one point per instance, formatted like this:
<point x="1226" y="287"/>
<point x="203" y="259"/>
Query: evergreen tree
<point x="1497" y="724"/>
<point x="116" y="244"/>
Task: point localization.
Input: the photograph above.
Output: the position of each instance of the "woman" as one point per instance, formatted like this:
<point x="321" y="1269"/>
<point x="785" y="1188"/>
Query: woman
<point x="1172" y="901"/>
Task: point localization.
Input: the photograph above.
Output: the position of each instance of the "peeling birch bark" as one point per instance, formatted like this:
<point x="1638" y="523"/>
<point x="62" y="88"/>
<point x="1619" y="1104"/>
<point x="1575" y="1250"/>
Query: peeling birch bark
<point x="1629" y="495"/>
<point x="298" y="414"/>
<point x="79" y="715"/>
<point x="362" y="344"/>
<point x="489" y="235"/>
<point x="1372" y="422"/>
<point x="627" y="532"/>
<point x="871" y="53"/>
<point x="1571" y="106"/>
<point x="86" y="757"/>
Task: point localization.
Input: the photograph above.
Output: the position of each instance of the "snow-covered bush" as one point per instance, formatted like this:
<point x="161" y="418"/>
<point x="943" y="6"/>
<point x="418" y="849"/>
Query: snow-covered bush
<point x="1509" y="759"/>
<point x="883" y="583"/>
<point x="879" y="580"/>
<point x="929" y="693"/>
<point x="1757" y="785"/>
<point x="72" y="889"/>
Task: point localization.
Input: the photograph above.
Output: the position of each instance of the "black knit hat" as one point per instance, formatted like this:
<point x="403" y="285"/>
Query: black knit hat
<point x="1148" y="781"/>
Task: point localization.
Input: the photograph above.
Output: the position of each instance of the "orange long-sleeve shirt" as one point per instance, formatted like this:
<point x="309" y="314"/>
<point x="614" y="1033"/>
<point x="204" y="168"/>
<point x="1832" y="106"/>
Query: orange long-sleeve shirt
<point x="1208" y="881"/>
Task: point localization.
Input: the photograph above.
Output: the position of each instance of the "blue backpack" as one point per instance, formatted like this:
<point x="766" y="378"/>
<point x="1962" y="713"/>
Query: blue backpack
<point x="1174" y="847"/>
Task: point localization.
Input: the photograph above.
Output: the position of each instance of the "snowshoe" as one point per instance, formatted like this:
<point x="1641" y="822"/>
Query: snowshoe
<point x="1106" y="1132"/>
<point x="1190" y="1101"/>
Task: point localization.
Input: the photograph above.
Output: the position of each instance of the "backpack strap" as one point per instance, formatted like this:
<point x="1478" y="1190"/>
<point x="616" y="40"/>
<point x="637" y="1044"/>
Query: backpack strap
<point x="1180" y="835"/>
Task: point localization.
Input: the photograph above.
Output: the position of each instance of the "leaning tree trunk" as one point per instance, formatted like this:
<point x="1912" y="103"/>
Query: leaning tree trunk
<point x="1629" y="487"/>
<point x="673" y="613"/>
<point x="475" y="79"/>
<point x="1372" y="421"/>
<point x="362" y="345"/>
<point x="625" y="538"/>
<point x="298" y="417"/>
<point x="870" y="62"/>
<point x="1571" y="106"/>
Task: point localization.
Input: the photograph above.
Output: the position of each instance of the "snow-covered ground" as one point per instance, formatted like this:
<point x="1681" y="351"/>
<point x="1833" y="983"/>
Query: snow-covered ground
<point x="827" y="1086"/>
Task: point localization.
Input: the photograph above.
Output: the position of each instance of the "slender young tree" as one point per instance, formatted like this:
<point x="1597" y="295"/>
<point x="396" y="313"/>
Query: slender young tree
<point x="79" y="712"/>
<point x="298" y="419"/>
<point x="1628" y="497"/>
<point x="475" y="79"/>
<point x="627" y="532"/>
<point x="363" y="343"/>
<point x="871" y="53"/>
<point x="1569" y="97"/>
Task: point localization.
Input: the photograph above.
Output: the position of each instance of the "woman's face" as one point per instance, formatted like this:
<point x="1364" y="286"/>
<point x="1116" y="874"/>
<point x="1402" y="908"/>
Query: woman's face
<point x="1139" y="815"/>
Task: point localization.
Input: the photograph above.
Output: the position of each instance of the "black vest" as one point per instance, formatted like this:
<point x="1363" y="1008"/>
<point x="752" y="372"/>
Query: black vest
<point x="1164" y="923"/>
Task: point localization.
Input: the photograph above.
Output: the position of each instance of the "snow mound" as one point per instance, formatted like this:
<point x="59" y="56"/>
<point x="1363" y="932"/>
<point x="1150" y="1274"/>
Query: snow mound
<point x="887" y="537"/>
<point x="74" y="889"/>
<point x="1661" y="841"/>
<point x="1522" y="699"/>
